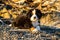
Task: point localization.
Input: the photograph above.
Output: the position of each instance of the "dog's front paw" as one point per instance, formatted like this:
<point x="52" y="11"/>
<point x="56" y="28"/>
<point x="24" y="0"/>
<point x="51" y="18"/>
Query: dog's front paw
<point x="35" y="30"/>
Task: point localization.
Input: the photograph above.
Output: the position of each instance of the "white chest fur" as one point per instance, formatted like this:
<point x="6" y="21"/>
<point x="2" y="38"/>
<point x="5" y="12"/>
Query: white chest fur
<point x="35" y="23"/>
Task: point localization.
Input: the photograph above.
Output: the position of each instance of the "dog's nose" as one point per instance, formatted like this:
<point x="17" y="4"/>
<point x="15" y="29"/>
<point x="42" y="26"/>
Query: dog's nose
<point x="34" y="17"/>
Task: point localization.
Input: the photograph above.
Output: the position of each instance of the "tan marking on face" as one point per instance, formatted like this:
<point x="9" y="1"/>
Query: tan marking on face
<point x="33" y="12"/>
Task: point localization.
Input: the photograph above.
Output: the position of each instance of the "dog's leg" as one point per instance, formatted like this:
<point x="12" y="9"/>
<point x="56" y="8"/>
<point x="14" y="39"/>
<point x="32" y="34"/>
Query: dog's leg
<point x="38" y="28"/>
<point x="35" y="30"/>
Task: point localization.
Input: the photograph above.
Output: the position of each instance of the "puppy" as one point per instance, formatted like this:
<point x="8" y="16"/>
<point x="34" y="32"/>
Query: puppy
<point x="34" y="16"/>
<point x="22" y="22"/>
<point x="29" y="21"/>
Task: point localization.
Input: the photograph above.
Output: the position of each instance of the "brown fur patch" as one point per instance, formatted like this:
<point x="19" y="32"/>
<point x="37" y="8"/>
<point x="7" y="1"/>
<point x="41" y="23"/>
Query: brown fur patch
<point x="22" y="22"/>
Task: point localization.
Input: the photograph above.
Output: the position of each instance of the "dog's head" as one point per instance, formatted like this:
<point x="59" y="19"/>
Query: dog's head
<point x="34" y="14"/>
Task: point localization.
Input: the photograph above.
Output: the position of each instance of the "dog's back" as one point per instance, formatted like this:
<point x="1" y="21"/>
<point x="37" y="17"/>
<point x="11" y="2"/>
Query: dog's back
<point x="22" y="21"/>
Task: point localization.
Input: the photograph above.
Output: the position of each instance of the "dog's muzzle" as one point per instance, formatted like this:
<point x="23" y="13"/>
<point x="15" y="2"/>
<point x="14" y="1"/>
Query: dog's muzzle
<point x="34" y="18"/>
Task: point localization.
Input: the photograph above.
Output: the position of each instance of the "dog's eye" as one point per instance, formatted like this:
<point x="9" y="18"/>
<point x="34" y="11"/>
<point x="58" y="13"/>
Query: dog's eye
<point x="34" y="17"/>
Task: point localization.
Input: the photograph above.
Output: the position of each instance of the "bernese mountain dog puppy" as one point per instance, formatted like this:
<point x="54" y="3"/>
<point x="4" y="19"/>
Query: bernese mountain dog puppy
<point x="29" y="21"/>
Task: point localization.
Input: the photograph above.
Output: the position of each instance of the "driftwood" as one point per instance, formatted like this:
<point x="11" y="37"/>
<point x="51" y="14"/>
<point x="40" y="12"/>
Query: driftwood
<point x="26" y="30"/>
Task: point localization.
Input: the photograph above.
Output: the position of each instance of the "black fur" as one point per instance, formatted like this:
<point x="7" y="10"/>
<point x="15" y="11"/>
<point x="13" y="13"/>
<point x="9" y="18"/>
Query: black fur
<point x="38" y="13"/>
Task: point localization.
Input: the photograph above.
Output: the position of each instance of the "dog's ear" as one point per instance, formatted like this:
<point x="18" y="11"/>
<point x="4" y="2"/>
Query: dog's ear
<point x="29" y="14"/>
<point x="38" y="13"/>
